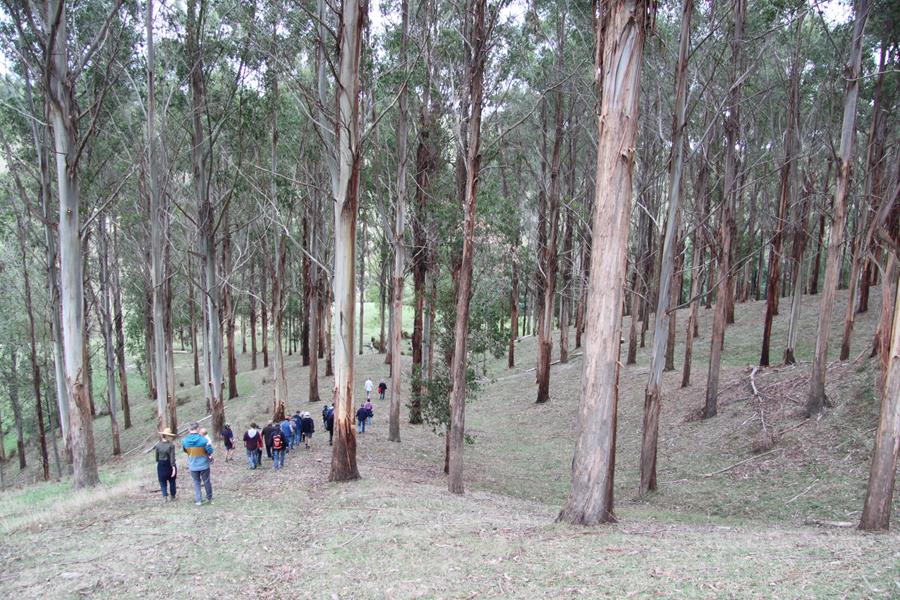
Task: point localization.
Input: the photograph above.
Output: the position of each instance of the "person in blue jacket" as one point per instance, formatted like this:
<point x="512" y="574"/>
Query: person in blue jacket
<point x="199" y="452"/>
<point x="287" y="431"/>
<point x="297" y="419"/>
<point x="361" y="416"/>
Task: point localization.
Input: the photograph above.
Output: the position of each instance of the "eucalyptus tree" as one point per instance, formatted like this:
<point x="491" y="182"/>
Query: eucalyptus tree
<point x="620" y="33"/>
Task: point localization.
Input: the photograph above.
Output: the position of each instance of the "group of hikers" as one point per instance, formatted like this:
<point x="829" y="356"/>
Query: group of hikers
<point x="277" y="438"/>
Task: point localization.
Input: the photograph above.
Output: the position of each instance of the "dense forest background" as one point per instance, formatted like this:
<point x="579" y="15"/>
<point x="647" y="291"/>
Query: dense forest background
<point x="175" y="181"/>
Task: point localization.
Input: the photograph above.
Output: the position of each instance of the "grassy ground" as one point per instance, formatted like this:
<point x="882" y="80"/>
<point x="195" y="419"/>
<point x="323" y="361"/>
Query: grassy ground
<point x="710" y="531"/>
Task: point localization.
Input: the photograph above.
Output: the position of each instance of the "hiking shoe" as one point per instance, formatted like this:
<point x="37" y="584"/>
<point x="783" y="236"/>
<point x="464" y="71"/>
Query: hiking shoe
<point x="198" y="504"/>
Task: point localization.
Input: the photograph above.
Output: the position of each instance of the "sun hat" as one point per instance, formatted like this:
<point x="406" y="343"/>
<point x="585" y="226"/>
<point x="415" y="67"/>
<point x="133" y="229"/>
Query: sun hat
<point x="167" y="432"/>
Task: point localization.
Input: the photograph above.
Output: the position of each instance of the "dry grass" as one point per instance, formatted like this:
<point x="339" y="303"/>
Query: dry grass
<point x="398" y="534"/>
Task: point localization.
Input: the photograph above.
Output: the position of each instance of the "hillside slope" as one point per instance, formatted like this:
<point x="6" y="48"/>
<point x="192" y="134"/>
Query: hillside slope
<point x="717" y="527"/>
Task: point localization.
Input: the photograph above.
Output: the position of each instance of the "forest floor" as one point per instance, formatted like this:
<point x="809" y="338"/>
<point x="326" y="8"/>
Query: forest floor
<point x="736" y="515"/>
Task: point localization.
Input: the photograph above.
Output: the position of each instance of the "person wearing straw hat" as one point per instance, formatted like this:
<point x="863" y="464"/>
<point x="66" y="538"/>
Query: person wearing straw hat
<point x="166" y="471"/>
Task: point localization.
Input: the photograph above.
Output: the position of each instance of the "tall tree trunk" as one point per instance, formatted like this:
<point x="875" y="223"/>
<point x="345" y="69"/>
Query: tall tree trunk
<point x="870" y="200"/>
<point x="620" y="35"/>
<point x="313" y="295"/>
<point x="382" y="297"/>
<point x="653" y="394"/>
<point x="696" y="258"/>
<point x="476" y="57"/>
<point x="158" y="237"/>
<point x="200" y="154"/>
<point x="63" y="117"/>
<point x="12" y="389"/>
<point x="548" y="252"/>
<point x="565" y="302"/>
<point x="399" y="249"/>
<point x="816" y="396"/>
<point x="119" y="327"/>
<point x="879" y="492"/>
<point x="228" y="311"/>
<point x="513" y="310"/>
<point x="798" y="247"/>
<point x="726" y="215"/>
<point x="108" y="343"/>
<point x="252" y="309"/>
<point x="22" y="234"/>
<point x="362" y="288"/>
<point x="784" y="196"/>
<point x="634" y="309"/>
<point x="345" y="181"/>
<point x="279" y="374"/>
<point x="264" y="314"/>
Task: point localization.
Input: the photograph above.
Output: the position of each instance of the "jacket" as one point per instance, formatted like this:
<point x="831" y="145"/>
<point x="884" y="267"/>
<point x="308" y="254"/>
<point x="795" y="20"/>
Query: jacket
<point x="307" y="426"/>
<point x="251" y="439"/>
<point x="286" y="429"/>
<point x="362" y="414"/>
<point x="267" y="435"/>
<point x="198" y="450"/>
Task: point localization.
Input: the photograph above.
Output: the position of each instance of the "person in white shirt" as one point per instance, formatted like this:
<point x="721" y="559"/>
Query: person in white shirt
<point x="369" y="387"/>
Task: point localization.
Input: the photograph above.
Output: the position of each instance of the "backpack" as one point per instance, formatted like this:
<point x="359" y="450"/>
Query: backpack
<point x="276" y="441"/>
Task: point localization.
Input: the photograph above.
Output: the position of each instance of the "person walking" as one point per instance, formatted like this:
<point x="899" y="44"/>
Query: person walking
<point x="307" y="428"/>
<point x="279" y="446"/>
<point x="228" y="440"/>
<point x="297" y="420"/>
<point x="329" y="423"/>
<point x="370" y="412"/>
<point x="166" y="471"/>
<point x="267" y="438"/>
<point x="199" y="452"/>
<point x="361" y="415"/>
<point x="251" y="443"/>
<point x="369" y="386"/>
<point x="382" y="389"/>
<point x="287" y="432"/>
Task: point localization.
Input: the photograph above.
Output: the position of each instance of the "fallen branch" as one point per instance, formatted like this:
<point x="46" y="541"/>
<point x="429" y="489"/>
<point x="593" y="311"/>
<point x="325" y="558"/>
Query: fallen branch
<point x="803" y="493"/>
<point x="821" y="523"/>
<point x="792" y="427"/>
<point x="746" y="460"/>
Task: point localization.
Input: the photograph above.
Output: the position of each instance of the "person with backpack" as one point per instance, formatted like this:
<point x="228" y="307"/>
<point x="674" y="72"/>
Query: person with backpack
<point x="228" y="440"/>
<point x="279" y="447"/>
<point x="361" y="416"/>
<point x="199" y="452"/>
<point x="329" y="423"/>
<point x="297" y="420"/>
<point x="251" y="443"/>
<point x="370" y="412"/>
<point x="382" y="389"/>
<point x="307" y="428"/>
<point x="267" y="438"/>
<point x="166" y="471"/>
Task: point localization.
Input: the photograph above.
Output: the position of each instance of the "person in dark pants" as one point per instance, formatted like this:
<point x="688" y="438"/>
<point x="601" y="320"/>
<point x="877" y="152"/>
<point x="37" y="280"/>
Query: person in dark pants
<point x="329" y="423"/>
<point x="267" y="437"/>
<point x="307" y="428"/>
<point x="297" y="420"/>
<point x="166" y="471"/>
<point x="228" y="440"/>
